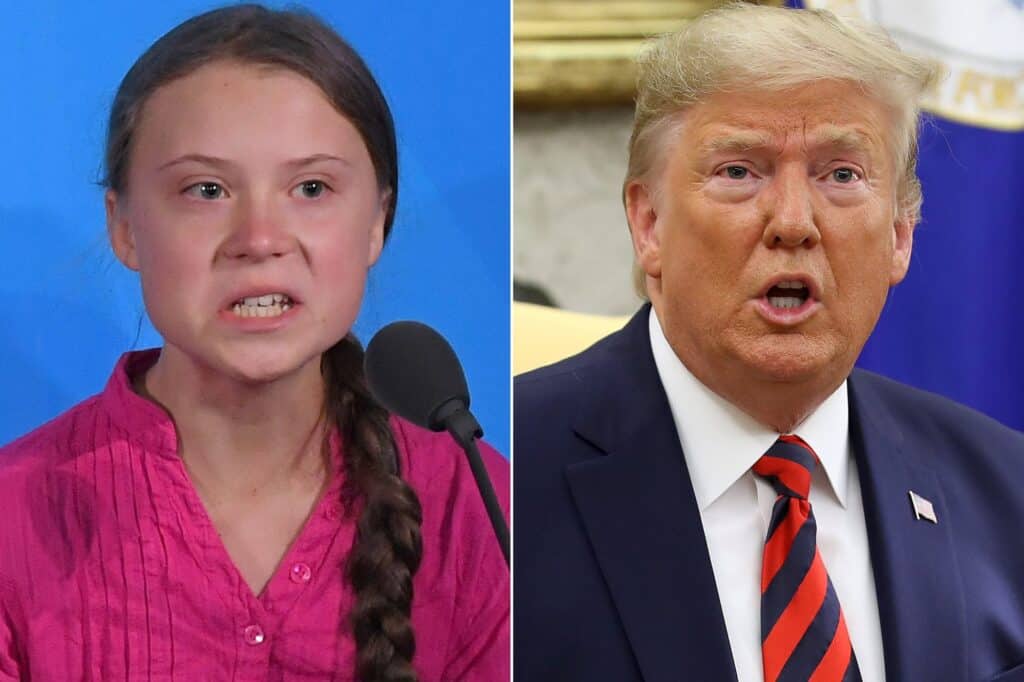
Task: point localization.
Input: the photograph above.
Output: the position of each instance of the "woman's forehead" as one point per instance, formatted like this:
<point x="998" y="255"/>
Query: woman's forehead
<point x="237" y="111"/>
<point x="224" y="89"/>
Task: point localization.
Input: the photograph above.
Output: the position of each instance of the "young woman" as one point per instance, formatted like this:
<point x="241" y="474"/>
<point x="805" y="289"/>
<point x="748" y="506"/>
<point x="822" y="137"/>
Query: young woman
<point x="235" y="505"/>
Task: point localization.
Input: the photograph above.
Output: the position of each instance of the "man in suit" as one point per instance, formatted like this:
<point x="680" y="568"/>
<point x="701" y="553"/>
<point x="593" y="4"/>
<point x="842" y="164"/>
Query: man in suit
<point x="714" y="492"/>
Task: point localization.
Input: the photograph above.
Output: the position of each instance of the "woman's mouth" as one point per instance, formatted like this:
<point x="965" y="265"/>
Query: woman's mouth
<point x="267" y="305"/>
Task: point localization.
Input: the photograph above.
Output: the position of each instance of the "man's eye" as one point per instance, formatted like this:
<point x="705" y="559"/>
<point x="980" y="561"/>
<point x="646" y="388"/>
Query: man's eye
<point x="311" y="189"/>
<point x="844" y="175"/>
<point x="205" y="190"/>
<point x="736" y="172"/>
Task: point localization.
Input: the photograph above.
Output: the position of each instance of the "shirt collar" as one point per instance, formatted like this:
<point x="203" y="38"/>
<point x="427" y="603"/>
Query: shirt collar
<point x="147" y="423"/>
<point x="721" y="442"/>
<point x="139" y="419"/>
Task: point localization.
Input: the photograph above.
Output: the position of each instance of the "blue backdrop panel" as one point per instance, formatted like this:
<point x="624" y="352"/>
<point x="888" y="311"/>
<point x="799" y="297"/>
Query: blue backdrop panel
<point x="956" y="324"/>
<point x="73" y="309"/>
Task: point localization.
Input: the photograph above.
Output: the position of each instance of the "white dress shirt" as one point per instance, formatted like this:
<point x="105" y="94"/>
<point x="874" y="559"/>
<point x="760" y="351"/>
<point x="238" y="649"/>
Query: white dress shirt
<point x="720" y="445"/>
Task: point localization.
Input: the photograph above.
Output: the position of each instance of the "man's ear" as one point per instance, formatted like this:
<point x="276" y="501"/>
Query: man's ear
<point x="903" y="245"/>
<point x="119" y="231"/>
<point x="641" y="212"/>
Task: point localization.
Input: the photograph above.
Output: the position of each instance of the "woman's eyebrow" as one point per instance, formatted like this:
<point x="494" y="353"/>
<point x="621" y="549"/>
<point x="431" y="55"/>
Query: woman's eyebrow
<point x="217" y="162"/>
<point x="198" y="158"/>
<point x="316" y="158"/>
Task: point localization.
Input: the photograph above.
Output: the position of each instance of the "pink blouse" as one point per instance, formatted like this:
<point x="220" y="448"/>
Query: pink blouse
<point x="110" y="568"/>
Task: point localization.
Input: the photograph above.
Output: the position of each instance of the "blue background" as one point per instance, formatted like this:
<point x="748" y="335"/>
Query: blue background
<point x="72" y="309"/>
<point x="955" y="325"/>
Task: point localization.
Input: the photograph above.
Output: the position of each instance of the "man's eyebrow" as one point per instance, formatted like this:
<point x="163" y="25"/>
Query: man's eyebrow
<point x="217" y="162"/>
<point x="843" y="139"/>
<point x="735" y="142"/>
<point x="834" y="137"/>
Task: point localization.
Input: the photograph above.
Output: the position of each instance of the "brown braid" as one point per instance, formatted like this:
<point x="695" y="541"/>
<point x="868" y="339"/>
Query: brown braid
<point x="388" y="545"/>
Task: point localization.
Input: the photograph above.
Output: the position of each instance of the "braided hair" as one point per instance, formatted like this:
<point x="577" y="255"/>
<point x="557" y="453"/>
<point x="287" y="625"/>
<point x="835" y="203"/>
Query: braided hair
<point x="388" y="544"/>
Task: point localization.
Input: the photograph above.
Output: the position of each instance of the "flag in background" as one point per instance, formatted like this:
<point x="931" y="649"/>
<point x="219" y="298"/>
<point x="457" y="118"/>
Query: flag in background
<point x="956" y="324"/>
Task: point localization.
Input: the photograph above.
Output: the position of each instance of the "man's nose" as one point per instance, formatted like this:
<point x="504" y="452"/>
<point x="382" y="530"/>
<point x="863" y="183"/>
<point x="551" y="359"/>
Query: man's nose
<point x="257" y="232"/>
<point x="789" y="210"/>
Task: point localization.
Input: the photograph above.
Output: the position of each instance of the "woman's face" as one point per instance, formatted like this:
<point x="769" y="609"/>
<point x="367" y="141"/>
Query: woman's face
<point x="252" y="213"/>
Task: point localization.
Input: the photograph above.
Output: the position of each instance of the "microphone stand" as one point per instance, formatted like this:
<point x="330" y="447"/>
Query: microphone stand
<point x="455" y="418"/>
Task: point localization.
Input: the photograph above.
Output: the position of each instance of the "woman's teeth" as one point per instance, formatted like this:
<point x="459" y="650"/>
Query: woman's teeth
<point x="270" y="305"/>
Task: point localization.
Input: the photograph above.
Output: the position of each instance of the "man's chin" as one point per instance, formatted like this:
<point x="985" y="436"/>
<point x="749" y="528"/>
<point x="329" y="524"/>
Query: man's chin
<point x="791" y="359"/>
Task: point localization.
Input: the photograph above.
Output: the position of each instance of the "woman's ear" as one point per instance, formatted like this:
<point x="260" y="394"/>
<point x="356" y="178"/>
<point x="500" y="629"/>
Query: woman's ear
<point x="119" y="231"/>
<point x="376" y="241"/>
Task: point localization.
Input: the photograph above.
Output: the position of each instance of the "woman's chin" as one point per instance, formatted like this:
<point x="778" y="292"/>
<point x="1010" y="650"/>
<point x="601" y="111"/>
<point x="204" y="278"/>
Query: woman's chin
<point x="263" y="368"/>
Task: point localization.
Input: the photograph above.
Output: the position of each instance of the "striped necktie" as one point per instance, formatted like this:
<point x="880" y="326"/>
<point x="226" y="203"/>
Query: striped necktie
<point x="803" y="633"/>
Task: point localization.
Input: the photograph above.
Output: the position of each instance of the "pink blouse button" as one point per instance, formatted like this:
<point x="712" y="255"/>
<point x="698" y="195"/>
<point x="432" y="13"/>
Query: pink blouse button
<point x="300" y="573"/>
<point x="254" y="635"/>
<point x="333" y="511"/>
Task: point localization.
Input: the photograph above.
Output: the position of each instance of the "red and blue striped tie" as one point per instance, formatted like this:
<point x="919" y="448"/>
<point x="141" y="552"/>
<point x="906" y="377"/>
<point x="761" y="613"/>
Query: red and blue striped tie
<point x="803" y="633"/>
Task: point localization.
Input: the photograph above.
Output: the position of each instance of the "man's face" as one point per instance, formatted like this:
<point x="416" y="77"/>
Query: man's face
<point x="771" y="237"/>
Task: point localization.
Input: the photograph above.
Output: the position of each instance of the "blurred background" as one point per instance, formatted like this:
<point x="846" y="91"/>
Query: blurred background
<point x="955" y="326"/>
<point x="72" y="309"/>
<point x="574" y="81"/>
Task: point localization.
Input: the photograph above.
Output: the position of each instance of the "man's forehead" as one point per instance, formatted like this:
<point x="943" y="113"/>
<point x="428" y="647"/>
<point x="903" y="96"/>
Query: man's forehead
<point x="716" y="137"/>
<point x="825" y="114"/>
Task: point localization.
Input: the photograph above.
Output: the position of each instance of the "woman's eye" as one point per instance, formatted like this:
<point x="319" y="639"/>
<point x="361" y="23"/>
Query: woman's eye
<point x="844" y="175"/>
<point x="311" y="189"/>
<point x="205" y="190"/>
<point x="736" y="172"/>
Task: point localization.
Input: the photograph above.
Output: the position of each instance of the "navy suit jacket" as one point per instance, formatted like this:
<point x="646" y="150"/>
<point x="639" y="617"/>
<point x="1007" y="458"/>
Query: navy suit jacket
<point x="612" y="576"/>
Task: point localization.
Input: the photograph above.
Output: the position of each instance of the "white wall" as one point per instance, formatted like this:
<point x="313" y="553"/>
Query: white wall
<point x="570" y="234"/>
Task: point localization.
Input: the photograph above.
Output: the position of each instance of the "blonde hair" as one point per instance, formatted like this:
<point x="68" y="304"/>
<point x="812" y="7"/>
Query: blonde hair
<point x="743" y="46"/>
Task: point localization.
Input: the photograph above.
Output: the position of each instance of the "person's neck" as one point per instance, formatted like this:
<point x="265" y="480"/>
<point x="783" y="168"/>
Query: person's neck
<point x="238" y="439"/>
<point x="778" y="405"/>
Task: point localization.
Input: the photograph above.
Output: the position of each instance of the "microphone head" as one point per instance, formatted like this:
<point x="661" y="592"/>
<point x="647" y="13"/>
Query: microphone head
<point x="413" y="371"/>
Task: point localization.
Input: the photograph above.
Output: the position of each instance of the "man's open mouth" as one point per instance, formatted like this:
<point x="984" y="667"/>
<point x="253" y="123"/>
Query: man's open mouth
<point x="788" y="294"/>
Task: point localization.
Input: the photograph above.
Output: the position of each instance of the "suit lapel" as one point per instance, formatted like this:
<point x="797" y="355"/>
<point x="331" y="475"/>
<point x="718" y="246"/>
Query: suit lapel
<point x="920" y="600"/>
<point x="638" y="507"/>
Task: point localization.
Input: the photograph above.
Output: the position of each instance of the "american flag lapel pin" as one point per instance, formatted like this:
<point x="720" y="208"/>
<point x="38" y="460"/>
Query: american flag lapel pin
<point x="923" y="508"/>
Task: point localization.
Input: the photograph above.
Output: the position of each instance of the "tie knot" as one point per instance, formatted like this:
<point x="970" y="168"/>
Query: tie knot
<point x="788" y="465"/>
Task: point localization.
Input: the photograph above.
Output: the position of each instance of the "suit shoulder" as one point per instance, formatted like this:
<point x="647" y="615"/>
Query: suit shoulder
<point x="546" y="404"/>
<point x="553" y="384"/>
<point x="925" y="412"/>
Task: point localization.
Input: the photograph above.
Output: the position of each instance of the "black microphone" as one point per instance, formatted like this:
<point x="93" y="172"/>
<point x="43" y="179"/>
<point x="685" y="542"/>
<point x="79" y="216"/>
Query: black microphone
<point x="413" y="371"/>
